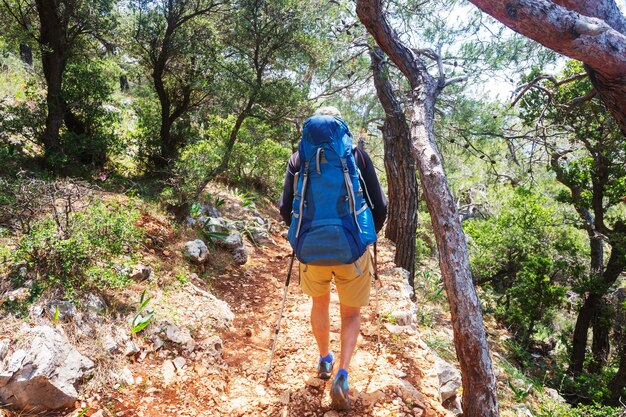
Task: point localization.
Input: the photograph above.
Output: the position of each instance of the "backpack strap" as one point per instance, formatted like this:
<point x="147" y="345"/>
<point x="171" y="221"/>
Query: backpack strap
<point x="351" y="199"/>
<point x="320" y="151"/>
<point x="295" y="162"/>
<point x="305" y="180"/>
<point x="295" y="182"/>
<point x="367" y="194"/>
<point x="357" y="150"/>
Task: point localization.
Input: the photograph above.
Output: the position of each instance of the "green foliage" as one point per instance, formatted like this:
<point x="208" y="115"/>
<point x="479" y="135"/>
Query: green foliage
<point x="552" y="409"/>
<point x="429" y="285"/>
<point x="145" y="133"/>
<point x="144" y="314"/>
<point x="591" y="162"/>
<point x="72" y="258"/>
<point x="22" y="118"/>
<point x="55" y="319"/>
<point x="13" y="75"/>
<point x="176" y="45"/>
<point x="425" y="245"/>
<point x="90" y="125"/>
<point x="527" y="257"/>
<point x="212" y="236"/>
<point x="197" y="160"/>
<point x="258" y="160"/>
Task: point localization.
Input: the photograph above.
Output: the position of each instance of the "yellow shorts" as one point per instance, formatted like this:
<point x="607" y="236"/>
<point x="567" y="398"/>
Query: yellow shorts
<point x="352" y="280"/>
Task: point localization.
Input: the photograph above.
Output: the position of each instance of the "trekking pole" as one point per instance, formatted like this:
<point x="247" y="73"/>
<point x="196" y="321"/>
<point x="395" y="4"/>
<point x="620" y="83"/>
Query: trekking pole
<point x="280" y="316"/>
<point x="377" y="284"/>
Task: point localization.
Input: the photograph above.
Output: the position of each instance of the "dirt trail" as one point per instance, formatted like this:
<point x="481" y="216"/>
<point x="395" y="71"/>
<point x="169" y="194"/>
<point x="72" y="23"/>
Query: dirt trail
<point x="393" y="381"/>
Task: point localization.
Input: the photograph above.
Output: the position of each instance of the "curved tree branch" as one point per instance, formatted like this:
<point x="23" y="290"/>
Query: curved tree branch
<point x="591" y="32"/>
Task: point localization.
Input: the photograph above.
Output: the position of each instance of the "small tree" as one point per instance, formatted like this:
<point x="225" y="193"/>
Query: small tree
<point x="527" y="258"/>
<point x="479" y="384"/>
<point x="175" y="42"/>
<point x="261" y="41"/>
<point x="591" y="162"/>
<point x="59" y="27"/>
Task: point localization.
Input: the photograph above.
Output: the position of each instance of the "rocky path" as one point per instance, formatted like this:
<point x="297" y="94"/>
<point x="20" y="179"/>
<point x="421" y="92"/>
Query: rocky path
<point x="227" y="376"/>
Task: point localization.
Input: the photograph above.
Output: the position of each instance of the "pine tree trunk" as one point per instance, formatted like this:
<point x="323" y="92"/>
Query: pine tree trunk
<point x="470" y="339"/>
<point x="581" y="331"/>
<point x="589" y="313"/>
<point x="400" y="166"/>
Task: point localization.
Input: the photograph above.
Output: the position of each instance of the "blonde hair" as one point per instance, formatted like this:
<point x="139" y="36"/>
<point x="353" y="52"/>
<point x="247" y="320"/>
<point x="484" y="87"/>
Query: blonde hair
<point x="327" y="111"/>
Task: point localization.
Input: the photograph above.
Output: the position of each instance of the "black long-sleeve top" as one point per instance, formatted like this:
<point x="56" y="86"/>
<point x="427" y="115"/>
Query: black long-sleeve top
<point x="365" y="165"/>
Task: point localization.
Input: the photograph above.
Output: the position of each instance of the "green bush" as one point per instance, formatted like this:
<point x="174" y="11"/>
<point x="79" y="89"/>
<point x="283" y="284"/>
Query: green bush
<point x="550" y="409"/>
<point x="146" y="130"/>
<point x="258" y="160"/>
<point x="527" y="258"/>
<point x="196" y="161"/>
<point x="90" y="135"/>
<point x="81" y="255"/>
<point x="425" y="244"/>
<point x="22" y="119"/>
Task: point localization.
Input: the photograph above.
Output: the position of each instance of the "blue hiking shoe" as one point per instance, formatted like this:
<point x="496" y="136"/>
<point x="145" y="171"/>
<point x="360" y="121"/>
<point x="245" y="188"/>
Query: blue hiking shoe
<point x="325" y="366"/>
<point x="339" y="392"/>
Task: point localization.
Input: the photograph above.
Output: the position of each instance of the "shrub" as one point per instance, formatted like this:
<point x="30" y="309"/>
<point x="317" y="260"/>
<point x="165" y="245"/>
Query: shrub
<point x="562" y="410"/>
<point x="526" y="257"/>
<point x="146" y="131"/>
<point x="425" y="244"/>
<point x="82" y="255"/>
<point x="258" y="159"/>
<point x="22" y="120"/>
<point x="90" y="124"/>
<point x="196" y="161"/>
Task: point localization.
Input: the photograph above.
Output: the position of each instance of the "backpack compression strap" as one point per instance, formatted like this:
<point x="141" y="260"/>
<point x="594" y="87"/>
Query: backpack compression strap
<point x="305" y="180"/>
<point x="362" y="158"/>
<point x="351" y="199"/>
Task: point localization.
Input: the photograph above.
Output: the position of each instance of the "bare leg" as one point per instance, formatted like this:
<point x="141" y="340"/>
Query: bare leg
<point x="320" y="322"/>
<point x="350" y="327"/>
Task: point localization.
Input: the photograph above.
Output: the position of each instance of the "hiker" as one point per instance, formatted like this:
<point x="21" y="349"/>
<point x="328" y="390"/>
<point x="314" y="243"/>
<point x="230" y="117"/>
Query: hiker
<point x="322" y="246"/>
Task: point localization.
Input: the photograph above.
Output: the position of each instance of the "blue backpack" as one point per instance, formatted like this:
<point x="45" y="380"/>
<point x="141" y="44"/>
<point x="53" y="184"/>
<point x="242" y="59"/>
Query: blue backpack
<point x="331" y="222"/>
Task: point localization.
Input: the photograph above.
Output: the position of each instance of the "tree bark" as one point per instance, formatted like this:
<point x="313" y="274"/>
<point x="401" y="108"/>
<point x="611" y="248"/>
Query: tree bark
<point x="400" y="166"/>
<point x="53" y="58"/>
<point x="576" y="31"/>
<point x="479" y="383"/>
<point x="600" y="347"/>
<point x="166" y="150"/>
<point x="600" y="343"/>
<point x="606" y="10"/>
<point x="618" y="383"/>
<point x="581" y="329"/>
<point x="592" y="304"/>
